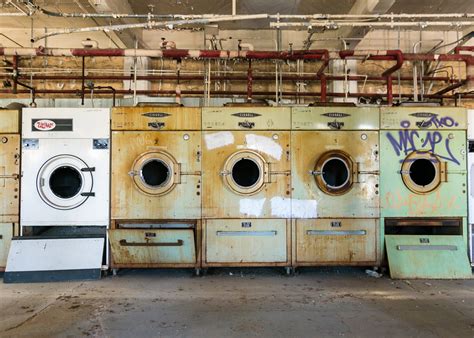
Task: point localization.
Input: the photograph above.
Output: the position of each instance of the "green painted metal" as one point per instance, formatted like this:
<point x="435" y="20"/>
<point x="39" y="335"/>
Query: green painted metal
<point x="416" y="118"/>
<point x="448" y="199"/>
<point x="427" y="257"/>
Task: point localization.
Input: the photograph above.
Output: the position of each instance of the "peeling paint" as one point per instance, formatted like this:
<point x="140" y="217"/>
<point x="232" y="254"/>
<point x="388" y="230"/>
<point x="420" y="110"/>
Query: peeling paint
<point x="218" y="140"/>
<point x="264" y="144"/>
<point x="281" y="207"/>
<point x="252" y="207"/>
<point x="294" y="208"/>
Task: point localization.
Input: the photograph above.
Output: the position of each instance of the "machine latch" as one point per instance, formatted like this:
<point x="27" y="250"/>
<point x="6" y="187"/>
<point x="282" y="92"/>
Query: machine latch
<point x="88" y="169"/>
<point x="224" y="173"/>
<point x="88" y="194"/>
<point x="404" y="172"/>
<point x="316" y="172"/>
<point x="132" y="173"/>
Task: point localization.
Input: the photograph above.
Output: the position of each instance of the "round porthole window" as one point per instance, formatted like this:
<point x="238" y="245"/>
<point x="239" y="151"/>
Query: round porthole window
<point x="244" y="172"/>
<point x="421" y="172"/>
<point x="155" y="173"/>
<point x="65" y="182"/>
<point x="333" y="172"/>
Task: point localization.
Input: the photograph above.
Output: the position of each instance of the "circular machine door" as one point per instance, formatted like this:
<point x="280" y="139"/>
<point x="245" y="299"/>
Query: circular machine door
<point x="422" y="172"/>
<point x="65" y="182"/>
<point x="244" y="172"/>
<point x="334" y="172"/>
<point x="155" y="173"/>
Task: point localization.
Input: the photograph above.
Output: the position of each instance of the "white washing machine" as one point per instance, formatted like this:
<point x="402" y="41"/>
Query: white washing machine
<point x="65" y="167"/>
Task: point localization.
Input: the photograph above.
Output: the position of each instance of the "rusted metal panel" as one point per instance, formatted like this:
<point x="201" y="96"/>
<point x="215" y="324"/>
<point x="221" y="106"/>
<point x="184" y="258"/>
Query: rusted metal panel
<point x="423" y="256"/>
<point x="331" y="118"/>
<point x="6" y="234"/>
<point x="246" y="118"/>
<point x="419" y="118"/>
<point x="360" y="149"/>
<point x="146" y="247"/>
<point x="9" y="177"/>
<point x="156" y="118"/>
<point x="269" y="197"/>
<point x="336" y="241"/>
<point x="246" y="241"/>
<point x="180" y="150"/>
<point x="9" y="121"/>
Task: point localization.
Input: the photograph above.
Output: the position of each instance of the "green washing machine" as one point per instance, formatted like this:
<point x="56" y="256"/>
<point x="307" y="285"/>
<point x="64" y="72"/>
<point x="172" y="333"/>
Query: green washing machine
<point x="423" y="191"/>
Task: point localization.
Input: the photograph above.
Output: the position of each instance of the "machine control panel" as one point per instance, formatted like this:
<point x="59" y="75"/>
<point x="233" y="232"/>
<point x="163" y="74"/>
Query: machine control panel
<point x="100" y="143"/>
<point x="30" y="143"/>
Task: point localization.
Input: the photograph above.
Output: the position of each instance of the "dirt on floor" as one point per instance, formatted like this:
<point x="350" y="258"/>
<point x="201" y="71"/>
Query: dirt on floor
<point x="239" y="302"/>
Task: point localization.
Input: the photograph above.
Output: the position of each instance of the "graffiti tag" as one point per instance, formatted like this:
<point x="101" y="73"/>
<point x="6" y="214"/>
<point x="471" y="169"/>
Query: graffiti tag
<point x="406" y="142"/>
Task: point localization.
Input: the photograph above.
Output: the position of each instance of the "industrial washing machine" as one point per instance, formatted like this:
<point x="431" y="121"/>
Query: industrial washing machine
<point x="246" y="186"/>
<point x="335" y="180"/>
<point x="156" y="187"/>
<point x="64" y="195"/>
<point x="9" y="180"/>
<point x="424" y="191"/>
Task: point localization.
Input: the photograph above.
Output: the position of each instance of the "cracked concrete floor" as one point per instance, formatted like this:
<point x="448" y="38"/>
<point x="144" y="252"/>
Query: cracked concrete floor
<point x="239" y="302"/>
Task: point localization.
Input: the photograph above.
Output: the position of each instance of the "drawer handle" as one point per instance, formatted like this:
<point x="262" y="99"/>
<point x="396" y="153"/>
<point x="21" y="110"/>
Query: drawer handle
<point x="337" y="232"/>
<point x="427" y="247"/>
<point x="179" y="242"/>
<point x="246" y="233"/>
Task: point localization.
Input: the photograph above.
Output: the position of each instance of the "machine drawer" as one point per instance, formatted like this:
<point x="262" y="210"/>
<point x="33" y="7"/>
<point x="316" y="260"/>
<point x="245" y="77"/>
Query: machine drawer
<point x="246" y="241"/>
<point x="6" y="234"/>
<point x="337" y="241"/>
<point x="152" y="246"/>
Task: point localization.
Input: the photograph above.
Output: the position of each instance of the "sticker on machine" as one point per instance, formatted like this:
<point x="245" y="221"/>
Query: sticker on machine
<point x="218" y="140"/>
<point x="264" y="144"/>
<point x="294" y="208"/>
<point x="252" y="207"/>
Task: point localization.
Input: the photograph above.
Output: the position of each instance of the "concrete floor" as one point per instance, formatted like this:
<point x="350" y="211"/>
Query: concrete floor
<point x="239" y="302"/>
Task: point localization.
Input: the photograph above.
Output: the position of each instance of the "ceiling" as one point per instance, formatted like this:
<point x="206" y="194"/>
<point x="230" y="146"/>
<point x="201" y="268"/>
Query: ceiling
<point x="19" y="29"/>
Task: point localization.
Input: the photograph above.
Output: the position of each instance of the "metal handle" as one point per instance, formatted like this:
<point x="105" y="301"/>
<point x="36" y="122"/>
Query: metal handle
<point x="88" y="194"/>
<point x="132" y="173"/>
<point x="224" y="173"/>
<point x="316" y="172"/>
<point x="14" y="176"/>
<point x="179" y="242"/>
<point x="246" y="233"/>
<point x="336" y="232"/>
<point x="404" y="172"/>
<point x="88" y="169"/>
<point x="190" y="173"/>
<point x="427" y="247"/>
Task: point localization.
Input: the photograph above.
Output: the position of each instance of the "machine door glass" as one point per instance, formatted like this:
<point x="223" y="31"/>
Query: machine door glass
<point x="422" y="172"/>
<point x="245" y="172"/>
<point x="334" y="172"/>
<point x="155" y="173"/>
<point x="65" y="182"/>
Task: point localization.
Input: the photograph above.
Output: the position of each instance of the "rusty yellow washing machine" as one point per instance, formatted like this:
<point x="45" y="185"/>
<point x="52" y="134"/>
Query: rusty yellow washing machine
<point x="246" y="186"/>
<point x="424" y="191"/>
<point x="156" y="187"/>
<point x="9" y="180"/>
<point x="335" y="179"/>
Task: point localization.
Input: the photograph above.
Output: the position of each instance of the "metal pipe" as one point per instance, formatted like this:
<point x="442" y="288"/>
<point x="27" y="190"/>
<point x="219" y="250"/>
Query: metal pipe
<point x="227" y="93"/>
<point x="83" y="80"/>
<point x="152" y="24"/>
<point x="337" y="24"/>
<point x="249" y="82"/>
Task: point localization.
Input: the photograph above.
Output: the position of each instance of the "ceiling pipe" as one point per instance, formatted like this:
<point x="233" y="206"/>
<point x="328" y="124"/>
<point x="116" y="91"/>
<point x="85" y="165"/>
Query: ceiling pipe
<point x="338" y="24"/>
<point x="153" y="24"/>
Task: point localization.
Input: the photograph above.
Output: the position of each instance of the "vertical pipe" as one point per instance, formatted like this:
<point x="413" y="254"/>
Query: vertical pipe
<point x="234" y="7"/>
<point x="135" y="101"/>
<point x="15" y="73"/>
<point x="389" y="90"/>
<point x="83" y="79"/>
<point x="249" y="82"/>
<point x="323" y="87"/>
